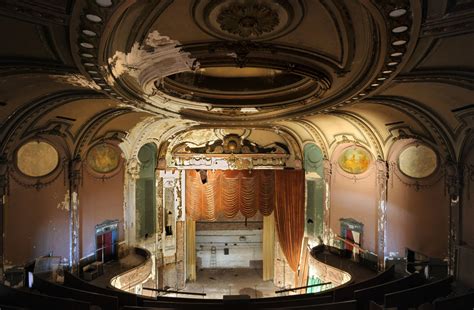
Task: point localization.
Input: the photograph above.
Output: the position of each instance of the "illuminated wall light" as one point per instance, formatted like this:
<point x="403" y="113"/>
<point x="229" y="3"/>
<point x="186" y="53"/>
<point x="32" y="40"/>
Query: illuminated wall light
<point x="355" y="98"/>
<point x="399" y="42"/>
<point x="397" y="13"/>
<point x="89" y="64"/>
<point x="86" y="55"/>
<point x="104" y="3"/>
<point x="362" y="94"/>
<point x="387" y="71"/>
<point x="375" y="85"/>
<point x="381" y="79"/>
<point x="93" y="18"/>
<point x="400" y="29"/>
<point x="87" y="45"/>
<point x="396" y="54"/>
<point x="393" y="63"/>
<point x="89" y="33"/>
<point x="92" y="72"/>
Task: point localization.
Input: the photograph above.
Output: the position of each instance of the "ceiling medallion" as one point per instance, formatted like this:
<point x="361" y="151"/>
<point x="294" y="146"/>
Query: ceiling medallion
<point x="250" y="19"/>
<point x="255" y="20"/>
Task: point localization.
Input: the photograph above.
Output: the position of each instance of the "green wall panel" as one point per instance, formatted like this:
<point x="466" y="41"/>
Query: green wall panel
<point x="145" y="193"/>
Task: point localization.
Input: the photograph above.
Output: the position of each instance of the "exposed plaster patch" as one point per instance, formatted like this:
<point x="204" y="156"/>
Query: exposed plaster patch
<point x="76" y="80"/>
<point x="64" y="205"/>
<point x="157" y="58"/>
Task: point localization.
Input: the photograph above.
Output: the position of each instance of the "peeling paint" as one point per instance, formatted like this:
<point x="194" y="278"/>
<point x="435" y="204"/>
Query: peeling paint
<point x="76" y="80"/>
<point x="65" y="204"/>
<point x="157" y="58"/>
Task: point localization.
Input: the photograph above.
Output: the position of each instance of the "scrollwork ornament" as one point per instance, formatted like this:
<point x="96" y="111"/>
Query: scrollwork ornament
<point x="452" y="181"/>
<point x="133" y="169"/>
<point x="75" y="172"/>
<point x="382" y="171"/>
<point x="327" y="170"/>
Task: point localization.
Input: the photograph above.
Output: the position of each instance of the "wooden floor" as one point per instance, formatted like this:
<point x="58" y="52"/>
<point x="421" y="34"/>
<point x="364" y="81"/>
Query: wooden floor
<point x="232" y="281"/>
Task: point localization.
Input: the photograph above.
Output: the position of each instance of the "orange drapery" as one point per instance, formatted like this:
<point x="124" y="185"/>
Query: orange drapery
<point x="289" y="213"/>
<point x="228" y="193"/>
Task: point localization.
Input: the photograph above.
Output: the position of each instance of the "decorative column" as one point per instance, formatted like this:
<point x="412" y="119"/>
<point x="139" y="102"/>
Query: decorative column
<point x="133" y="172"/>
<point x="454" y="188"/>
<point x="74" y="181"/>
<point x="3" y="199"/>
<point x="382" y="186"/>
<point x="327" y="202"/>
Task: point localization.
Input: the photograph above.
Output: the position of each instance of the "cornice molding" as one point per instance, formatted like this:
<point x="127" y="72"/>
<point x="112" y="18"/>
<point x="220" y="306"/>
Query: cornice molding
<point x="20" y="121"/>
<point x="11" y="67"/>
<point x="442" y="135"/>
<point x="89" y="129"/>
<point x="464" y="79"/>
<point x="33" y="12"/>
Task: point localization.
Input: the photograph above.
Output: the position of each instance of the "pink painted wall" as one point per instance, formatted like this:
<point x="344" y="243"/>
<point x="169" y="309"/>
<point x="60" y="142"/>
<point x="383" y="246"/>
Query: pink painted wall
<point x="99" y="200"/>
<point x="416" y="219"/>
<point x="34" y="225"/>
<point x="354" y="199"/>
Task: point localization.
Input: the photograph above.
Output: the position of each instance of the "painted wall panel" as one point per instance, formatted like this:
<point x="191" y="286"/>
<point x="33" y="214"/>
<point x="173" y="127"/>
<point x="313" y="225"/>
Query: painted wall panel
<point x="99" y="200"/>
<point x="36" y="223"/>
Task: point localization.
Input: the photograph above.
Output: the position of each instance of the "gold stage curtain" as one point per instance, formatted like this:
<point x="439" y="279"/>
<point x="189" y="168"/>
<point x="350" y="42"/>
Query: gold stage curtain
<point x="248" y="193"/>
<point x="289" y="213"/>
<point x="228" y="193"/>
<point x="230" y="199"/>
<point x="190" y="250"/>
<point x="268" y="246"/>
<point x="194" y="195"/>
<point x="266" y="192"/>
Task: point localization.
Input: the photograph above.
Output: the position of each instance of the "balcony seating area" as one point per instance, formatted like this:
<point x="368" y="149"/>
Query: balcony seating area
<point x="380" y="292"/>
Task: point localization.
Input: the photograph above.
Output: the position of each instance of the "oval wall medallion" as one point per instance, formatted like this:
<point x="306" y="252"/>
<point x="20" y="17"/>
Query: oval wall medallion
<point x="37" y="158"/>
<point x="355" y="160"/>
<point x="417" y="161"/>
<point x="103" y="158"/>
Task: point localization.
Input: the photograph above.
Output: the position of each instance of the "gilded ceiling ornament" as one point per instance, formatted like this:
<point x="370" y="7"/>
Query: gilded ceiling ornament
<point x="245" y="20"/>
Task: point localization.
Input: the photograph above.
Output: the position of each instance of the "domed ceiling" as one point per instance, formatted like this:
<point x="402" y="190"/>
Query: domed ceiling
<point x="242" y="60"/>
<point x="318" y="70"/>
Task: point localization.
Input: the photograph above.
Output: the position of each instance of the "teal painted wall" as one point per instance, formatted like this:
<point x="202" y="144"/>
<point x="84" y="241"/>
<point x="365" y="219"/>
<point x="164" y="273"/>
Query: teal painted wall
<point x="145" y="193"/>
<point x="314" y="168"/>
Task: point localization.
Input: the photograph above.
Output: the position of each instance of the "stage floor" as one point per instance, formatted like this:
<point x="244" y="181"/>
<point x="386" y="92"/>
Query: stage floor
<point x="233" y="281"/>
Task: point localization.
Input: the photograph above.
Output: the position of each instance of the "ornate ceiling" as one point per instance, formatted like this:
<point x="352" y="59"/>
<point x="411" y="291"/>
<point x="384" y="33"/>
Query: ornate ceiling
<point x="316" y="70"/>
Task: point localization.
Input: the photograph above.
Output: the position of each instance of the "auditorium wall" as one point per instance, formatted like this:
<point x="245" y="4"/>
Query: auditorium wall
<point x="417" y="219"/>
<point x="36" y="222"/>
<point x="99" y="200"/>
<point x="417" y="212"/>
<point x="354" y="196"/>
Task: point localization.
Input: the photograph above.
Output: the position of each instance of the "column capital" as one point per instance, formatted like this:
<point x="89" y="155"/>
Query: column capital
<point x="133" y="168"/>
